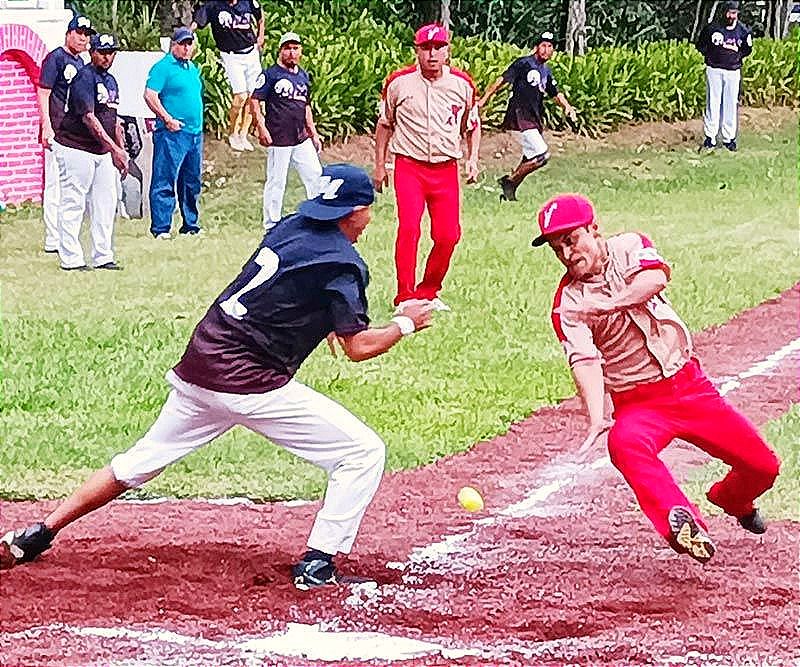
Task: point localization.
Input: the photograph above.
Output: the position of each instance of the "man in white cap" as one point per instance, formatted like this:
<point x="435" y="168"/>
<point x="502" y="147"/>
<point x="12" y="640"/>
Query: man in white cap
<point x="288" y="130"/>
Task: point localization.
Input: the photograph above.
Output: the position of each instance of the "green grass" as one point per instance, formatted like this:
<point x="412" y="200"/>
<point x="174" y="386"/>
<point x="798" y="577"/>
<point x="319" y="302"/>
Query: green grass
<point x="84" y="354"/>
<point x="782" y="500"/>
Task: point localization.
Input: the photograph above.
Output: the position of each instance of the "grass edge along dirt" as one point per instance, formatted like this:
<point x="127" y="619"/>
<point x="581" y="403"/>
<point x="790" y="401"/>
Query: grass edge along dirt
<point x="84" y="358"/>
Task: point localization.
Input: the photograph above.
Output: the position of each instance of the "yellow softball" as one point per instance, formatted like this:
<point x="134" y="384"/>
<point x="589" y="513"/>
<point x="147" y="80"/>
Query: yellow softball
<point x="470" y="499"/>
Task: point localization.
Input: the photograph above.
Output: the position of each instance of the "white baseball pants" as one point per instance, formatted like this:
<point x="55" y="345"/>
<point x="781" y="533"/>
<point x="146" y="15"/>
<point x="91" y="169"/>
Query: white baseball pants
<point x="722" y="101"/>
<point x="51" y="198"/>
<point x="305" y="160"/>
<point x="533" y="144"/>
<point x="88" y="181"/>
<point x="242" y="70"/>
<point x="295" y="417"/>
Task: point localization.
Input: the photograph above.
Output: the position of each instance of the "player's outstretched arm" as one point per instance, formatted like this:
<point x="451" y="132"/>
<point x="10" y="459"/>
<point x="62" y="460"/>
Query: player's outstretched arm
<point x="491" y="90"/>
<point x="377" y="340"/>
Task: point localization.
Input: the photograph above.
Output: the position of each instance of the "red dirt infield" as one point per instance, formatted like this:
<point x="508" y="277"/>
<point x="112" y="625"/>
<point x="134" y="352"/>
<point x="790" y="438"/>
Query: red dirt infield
<point x="576" y="576"/>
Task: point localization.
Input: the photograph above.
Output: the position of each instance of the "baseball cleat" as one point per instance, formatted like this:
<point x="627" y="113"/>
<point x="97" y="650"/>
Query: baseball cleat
<point x="689" y="538"/>
<point x="245" y="143"/>
<point x="24" y="544"/>
<point x="314" y="573"/>
<point x="235" y="142"/>
<point x="509" y="189"/>
<point x="707" y="144"/>
<point x="753" y="522"/>
<point x="110" y="266"/>
<point x="730" y="145"/>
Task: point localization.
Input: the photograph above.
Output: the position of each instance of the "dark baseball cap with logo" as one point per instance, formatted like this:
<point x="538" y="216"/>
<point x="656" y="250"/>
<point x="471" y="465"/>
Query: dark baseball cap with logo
<point x="103" y="41"/>
<point x="546" y="36"/>
<point x="562" y="214"/>
<point x="343" y="188"/>
<point x="182" y="34"/>
<point x="80" y="22"/>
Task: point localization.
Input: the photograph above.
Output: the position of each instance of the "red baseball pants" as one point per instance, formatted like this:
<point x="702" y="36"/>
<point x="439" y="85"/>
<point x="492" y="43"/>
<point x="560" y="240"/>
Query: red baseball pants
<point x="416" y="185"/>
<point x="687" y="406"/>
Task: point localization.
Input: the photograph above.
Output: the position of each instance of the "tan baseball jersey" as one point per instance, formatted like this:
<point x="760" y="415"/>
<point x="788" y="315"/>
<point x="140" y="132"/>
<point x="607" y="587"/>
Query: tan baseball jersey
<point x="641" y="344"/>
<point x="428" y="117"/>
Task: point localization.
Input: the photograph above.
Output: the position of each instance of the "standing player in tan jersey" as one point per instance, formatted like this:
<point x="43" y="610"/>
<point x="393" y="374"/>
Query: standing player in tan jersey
<point x="622" y="336"/>
<point x="425" y="111"/>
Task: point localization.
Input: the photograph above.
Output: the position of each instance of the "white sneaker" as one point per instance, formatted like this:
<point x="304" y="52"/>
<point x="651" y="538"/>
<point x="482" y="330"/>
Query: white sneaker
<point x="235" y="142"/>
<point x="245" y="144"/>
<point x="163" y="236"/>
<point x="440" y="305"/>
<point x="398" y="309"/>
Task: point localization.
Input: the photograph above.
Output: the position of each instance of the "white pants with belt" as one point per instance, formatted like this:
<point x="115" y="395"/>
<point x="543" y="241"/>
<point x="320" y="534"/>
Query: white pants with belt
<point x="87" y="180"/>
<point x="51" y="198"/>
<point x="722" y="103"/>
<point x="295" y="417"/>
<point x="305" y="160"/>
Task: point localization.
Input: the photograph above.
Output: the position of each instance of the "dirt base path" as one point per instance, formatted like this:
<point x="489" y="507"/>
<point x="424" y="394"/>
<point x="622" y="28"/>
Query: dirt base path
<point x="562" y="566"/>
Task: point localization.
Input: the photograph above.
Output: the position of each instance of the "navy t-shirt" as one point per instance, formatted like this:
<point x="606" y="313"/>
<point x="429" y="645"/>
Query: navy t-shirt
<point x="92" y="90"/>
<point x="285" y="95"/>
<point x="231" y="25"/>
<point x="59" y="68"/>
<point x="724" y="47"/>
<point x="530" y="80"/>
<point x="304" y="281"/>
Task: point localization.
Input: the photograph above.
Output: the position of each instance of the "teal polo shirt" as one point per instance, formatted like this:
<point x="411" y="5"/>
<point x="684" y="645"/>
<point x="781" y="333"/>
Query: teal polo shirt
<point x="180" y="90"/>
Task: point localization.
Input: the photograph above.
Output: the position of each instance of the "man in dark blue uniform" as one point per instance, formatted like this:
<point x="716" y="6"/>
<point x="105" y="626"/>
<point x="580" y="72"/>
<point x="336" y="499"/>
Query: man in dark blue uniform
<point x="304" y="282"/>
<point x="91" y="146"/>
<point x="530" y="79"/>
<point x="723" y="47"/>
<point x="59" y="68"/>
<point x="233" y="26"/>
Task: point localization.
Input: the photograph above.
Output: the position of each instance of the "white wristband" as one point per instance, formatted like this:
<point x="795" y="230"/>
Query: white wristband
<point x="406" y="324"/>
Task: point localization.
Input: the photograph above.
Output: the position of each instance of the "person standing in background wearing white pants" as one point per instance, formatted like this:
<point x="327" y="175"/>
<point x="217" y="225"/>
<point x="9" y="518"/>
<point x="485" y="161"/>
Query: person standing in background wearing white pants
<point x="233" y="26"/>
<point x="288" y="132"/>
<point x="723" y="47"/>
<point x="91" y="145"/>
<point x="59" y="67"/>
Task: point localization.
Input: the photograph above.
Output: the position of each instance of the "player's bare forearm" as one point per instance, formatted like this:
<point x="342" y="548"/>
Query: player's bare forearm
<point x="90" y="120"/>
<point x="44" y="106"/>
<point x="370" y="342"/>
<point x="383" y="133"/>
<point x="589" y="380"/>
<point x="644" y="286"/>
<point x="310" y="127"/>
<point x="491" y="90"/>
<point x="153" y="101"/>
<point x="473" y="138"/>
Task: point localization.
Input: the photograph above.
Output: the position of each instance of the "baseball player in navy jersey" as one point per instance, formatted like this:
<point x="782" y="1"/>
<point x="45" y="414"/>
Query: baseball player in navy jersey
<point x="530" y="79"/>
<point x="622" y="336"/>
<point x="239" y="42"/>
<point x="304" y="281"/>
<point x="90" y="146"/>
<point x="288" y="132"/>
<point x="59" y="67"/>
<point x="723" y="47"/>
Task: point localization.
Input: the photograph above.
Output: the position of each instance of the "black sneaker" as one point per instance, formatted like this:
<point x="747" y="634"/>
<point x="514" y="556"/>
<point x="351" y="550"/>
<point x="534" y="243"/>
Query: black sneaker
<point x="687" y="537"/>
<point x="753" y="522"/>
<point x="83" y="267"/>
<point x="707" y="145"/>
<point x="110" y="266"/>
<point x="730" y="145"/>
<point x="314" y="573"/>
<point x="25" y="544"/>
<point x="509" y="189"/>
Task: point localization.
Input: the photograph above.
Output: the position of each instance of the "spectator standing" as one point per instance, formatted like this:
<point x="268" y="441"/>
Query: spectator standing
<point x="91" y="145"/>
<point x="530" y="79"/>
<point x="426" y="109"/>
<point x="233" y="26"/>
<point x="59" y="67"/>
<point x="723" y="47"/>
<point x="288" y="131"/>
<point x="174" y="92"/>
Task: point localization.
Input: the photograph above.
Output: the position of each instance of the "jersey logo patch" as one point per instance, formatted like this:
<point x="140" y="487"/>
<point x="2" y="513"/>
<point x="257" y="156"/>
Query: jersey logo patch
<point x="717" y="38"/>
<point x="534" y="78"/>
<point x="69" y="72"/>
<point x="284" y="88"/>
<point x="102" y="94"/>
<point x="329" y="188"/>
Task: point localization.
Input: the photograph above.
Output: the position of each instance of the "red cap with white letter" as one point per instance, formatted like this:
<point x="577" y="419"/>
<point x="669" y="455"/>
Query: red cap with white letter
<point x="562" y="214"/>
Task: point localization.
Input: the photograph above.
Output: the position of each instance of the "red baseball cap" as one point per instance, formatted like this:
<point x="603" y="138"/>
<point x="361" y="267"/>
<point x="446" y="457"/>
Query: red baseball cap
<point x="433" y="32"/>
<point x="562" y="214"/>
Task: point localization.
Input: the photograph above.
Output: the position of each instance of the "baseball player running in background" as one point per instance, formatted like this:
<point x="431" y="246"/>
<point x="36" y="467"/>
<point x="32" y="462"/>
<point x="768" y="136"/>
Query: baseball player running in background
<point x="239" y="42"/>
<point x="59" y="67"/>
<point x="723" y="48"/>
<point x="425" y="111"/>
<point x="530" y="79"/>
<point x="90" y="145"/>
<point x="621" y="335"/>
<point x="289" y="133"/>
<point x="304" y="281"/>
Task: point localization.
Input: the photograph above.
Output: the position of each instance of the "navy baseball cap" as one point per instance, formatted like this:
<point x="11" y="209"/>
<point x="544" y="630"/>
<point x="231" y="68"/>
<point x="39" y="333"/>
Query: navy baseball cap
<point x="343" y="188"/>
<point x="182" y="34"/>
<point x="103" y="42"/>
<point x="546" y="36"/>
<point x="80" y="22"/>
<point x="731" y="6"/>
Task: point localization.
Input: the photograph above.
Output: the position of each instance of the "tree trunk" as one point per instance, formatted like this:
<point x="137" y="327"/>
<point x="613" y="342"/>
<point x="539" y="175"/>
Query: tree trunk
<point x="174" y="13"/>
<point x="575" y="33"/>
<point x="445" y="14"/>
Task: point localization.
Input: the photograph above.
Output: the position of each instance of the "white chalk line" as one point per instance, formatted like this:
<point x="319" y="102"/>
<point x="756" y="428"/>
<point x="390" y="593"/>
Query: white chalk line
<point x="323" y="642"/>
